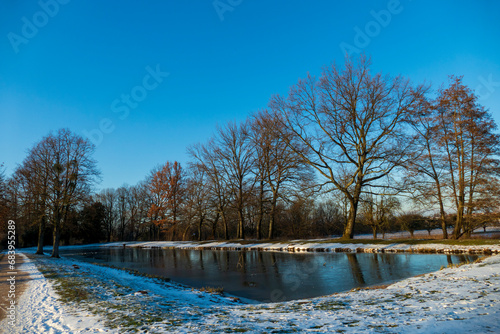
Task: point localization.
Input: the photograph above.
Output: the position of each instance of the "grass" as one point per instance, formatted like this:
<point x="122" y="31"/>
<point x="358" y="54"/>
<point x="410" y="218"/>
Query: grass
<point x="67" y="285"/>
<point x="209" y="289"/>
<point x="133" y="272"/>
<point x="115" y="303"/>
<point x="121" y="306"/>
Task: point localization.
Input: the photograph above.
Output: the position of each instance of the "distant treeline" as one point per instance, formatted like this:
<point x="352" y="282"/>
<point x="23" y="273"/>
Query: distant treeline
<point x="350" y="151"/>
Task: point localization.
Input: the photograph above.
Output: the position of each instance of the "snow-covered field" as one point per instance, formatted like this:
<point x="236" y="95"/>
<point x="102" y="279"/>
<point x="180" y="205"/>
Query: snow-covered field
<point x="452" y="300"/>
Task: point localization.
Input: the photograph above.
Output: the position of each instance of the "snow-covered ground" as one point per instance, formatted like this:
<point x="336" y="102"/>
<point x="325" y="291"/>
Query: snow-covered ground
<point x="311" y="246"/>
<point x="452" y="300"/>
<point x="40" y="311"/>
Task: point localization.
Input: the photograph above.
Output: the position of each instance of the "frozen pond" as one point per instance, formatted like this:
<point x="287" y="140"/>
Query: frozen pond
<point x="270" y="276"/>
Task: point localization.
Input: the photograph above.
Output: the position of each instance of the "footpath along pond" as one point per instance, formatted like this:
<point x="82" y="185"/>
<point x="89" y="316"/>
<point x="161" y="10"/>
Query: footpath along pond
<point x="269" y="276"/>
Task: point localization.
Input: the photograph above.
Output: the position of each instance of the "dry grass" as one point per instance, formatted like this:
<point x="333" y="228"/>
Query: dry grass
<point x="209" y="289"/>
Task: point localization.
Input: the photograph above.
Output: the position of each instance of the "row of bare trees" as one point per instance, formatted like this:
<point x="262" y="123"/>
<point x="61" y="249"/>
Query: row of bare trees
<point x="361" y="132"/>
<point x="348" y="147"/>
<point x="455" y="160"/>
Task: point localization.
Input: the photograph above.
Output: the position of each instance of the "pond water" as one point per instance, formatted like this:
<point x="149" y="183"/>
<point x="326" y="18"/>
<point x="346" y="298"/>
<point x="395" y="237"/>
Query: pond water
<point x="270" y="276"/>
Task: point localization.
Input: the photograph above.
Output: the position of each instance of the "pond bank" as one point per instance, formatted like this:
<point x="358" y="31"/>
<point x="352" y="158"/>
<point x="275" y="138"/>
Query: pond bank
<point x="452" y="300"/>
<point x="318" y="246"/>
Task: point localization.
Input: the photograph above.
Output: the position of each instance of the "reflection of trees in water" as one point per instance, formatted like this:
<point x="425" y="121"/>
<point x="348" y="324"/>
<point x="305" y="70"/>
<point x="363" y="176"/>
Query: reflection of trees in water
<point x="379" y="266"/>
<point x="357" y="274"/>
<point x="186" y="254"/>
<point x="200" y="253"/>
<point x="222" y="259"/>
<point x="260" y="261"/>
<point x="228" y="260"/>
<point x="390" y="264"/>
<point x="174" y="258"/>
<point x="462" y="258"/>
<point x="242" y="263"/>
<point x="274" y="265"/>
<point x="375" y="266"/>
<point x="157" y="258"/>
<point x="215" y="259"/>
<point x="282" y="276"/>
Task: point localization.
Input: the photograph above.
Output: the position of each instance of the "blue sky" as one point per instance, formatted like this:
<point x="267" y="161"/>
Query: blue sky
<point x="93" y="66"/>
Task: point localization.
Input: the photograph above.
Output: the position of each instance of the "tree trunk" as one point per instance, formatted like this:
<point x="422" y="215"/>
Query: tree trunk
<point x="273" y="214"/>
<point x="460" y="216"/>
<point x="441" y="208"/>
<point x="185" y="233"/>
<point x="226" y="230"/>
<point x="259" y="225"/>
<point x="354" y="201"/>
<point x="241" y="224"/>
<point x="271" y="225"/>
<point x="174" y="227"/>
<point x="200" y="223"/>
<point x="351" y="219"/>
<point x="41" y="236"/>
<point x="261" y="210"/>
<point x="214" y="225"/>
<point x="56" y="234"/>
<point x="443" y="221"/>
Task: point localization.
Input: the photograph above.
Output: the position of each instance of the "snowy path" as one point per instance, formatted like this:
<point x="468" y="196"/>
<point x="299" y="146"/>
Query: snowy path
<point x="39" y="310"/>
<point x="452" y="300"/>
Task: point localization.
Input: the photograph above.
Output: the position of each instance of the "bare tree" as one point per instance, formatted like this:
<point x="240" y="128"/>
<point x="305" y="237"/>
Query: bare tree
<point x="280" y="170"/>
<point x="377" y="211"/>
<point x="122" y="210"/>
<point x="426" y="170"/>
<point x="348" y="121"/>
<point x="471" y="146"/>
<point x="235" y="152"/>
<point x="167" y="188"/>
<point x="60" y="171"/>
<point x="138" y="207"/>
<point x="108" y="197"/>
<point x="197" y="199"/>
<point x="207" y="159"/>
<point x="32" y="179"/>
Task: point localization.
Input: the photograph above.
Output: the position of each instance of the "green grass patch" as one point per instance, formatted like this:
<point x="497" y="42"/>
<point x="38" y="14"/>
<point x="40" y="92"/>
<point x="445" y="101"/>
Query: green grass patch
<point x="67" y="285"/>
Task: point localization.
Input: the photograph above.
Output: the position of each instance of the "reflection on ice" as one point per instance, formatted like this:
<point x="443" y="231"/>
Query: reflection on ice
<point x="271" y="276"/>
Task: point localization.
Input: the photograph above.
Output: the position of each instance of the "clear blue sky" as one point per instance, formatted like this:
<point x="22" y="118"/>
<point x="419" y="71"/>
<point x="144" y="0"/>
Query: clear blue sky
<point x="73" y="65"/>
